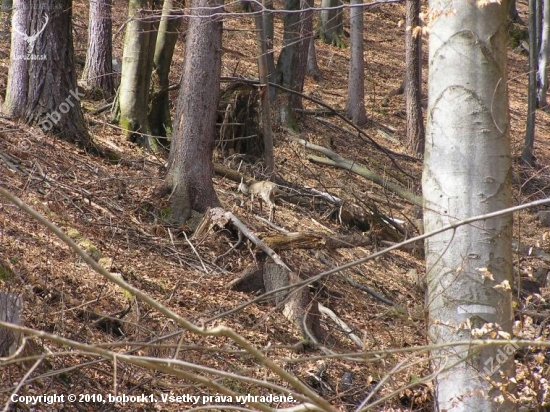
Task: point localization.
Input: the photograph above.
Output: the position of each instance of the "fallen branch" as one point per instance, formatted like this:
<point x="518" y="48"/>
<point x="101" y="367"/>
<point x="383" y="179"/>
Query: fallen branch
<point x="326" y="311"/>
<point x="221" y="218"/>
<point x="334" y="159"/>
<point x="299" y="240"/>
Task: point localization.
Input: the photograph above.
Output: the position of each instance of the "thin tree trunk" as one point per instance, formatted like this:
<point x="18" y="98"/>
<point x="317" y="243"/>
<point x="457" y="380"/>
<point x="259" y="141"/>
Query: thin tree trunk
<point x="355" y="108"/>
<point x="312" y="68"/>
<point x="264" y="95"/>
<point x="306" y="32"/>
<point x="160" y="120"/>
<point x="190" y="163"/>
<point x="467" y="172"/>
<point x="542" y="73"/>
<point x="98" y="70"/>
<point x="331" y="27"/>
<point x="287" y="63"/>
<point x="269" y="33"/>
<point x="413" y="78"/>
<point x="527" y="155"/>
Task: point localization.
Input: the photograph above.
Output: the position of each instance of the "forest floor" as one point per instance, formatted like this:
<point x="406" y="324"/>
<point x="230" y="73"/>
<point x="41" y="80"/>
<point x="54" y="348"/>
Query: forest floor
<point x="110" y="208"/>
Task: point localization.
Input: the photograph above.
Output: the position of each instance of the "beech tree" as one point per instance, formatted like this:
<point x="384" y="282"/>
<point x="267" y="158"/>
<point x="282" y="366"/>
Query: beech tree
<point x="355" y="108"/>
<point x="467" y="171"/>
<point x="42" y="86"/>
<point x="544" y="49"/>
<point x="98" y="70"/>
<point x="159" y="113"/>
<point x="527" y="153"/>
<point x="190" y="166"/>
<point x="137" y="65"/>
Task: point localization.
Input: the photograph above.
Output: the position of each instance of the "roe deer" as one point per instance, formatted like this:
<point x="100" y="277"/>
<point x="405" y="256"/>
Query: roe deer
<point x="264" y="191"/>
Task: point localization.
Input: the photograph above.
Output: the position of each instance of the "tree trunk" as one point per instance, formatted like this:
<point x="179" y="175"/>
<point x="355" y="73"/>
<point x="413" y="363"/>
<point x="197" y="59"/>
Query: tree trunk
<point x="98" y="71"/>
<point x="288" y="63"/>
<point x="331" y="28"/>
<point x="137" y="64"/>
<point x="312" y="68"/>
<point x="263" y="70"/>
<point x="269" y="32"/>
<point x="413" y="78"/>
<point x="527" y="154"/>
<point x="18" y="77"/>
<point x="190" y="164"/>
<point x="306" y="33"/>
<point x="542" y="73"/>
<point x="11" y="306"/>
<point x="160" y="120"/>
<point x="42" y="86"/>
<point x="355" y="108"/>
<point x="467" y="172"/>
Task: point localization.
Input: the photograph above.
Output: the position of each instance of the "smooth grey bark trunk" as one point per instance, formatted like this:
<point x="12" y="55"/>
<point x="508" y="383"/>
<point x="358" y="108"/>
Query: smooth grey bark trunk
<point x="42" y="89"/>
<point x="11" y="306"/>
<point x="190" y="166"/>
<point x="542" y="73"/>
<point x="467" y="171"/>
<point x="137" y="64"/>
<point x="355" y="108"/>
<point x="527" y="154"/>
<point x="98" y="70"/>
<point x="413" y="78"/>
<point x="160" y="119"/>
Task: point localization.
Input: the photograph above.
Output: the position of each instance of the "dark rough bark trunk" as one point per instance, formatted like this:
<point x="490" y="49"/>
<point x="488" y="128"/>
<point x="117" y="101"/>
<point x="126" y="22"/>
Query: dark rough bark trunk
<point x="160" y="120"/>
<point x="190" y="164"/>
<point x="98" y="71"/>
<point x="287" y="64"/>
<point x="413" y="78"/>
<point x="306" y="33"/>
<point x="18" y="78"/>
<point x="137" y="64"/>
<point x="355" y="108"/>
<point x="49" y="96"/>
<point x="312" y="68"/>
